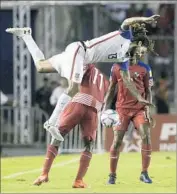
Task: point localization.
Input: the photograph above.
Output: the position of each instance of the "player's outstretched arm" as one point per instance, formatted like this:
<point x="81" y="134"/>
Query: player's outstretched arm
<point x="130" y="21"/>
<point x="132" y="88"/>
<point x="109" y="95"/>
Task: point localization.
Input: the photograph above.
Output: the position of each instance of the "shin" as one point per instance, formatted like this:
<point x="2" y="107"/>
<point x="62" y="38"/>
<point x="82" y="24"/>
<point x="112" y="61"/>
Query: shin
<point x="51" y="153"/>
<point x="85" y="158"/>
<point x="114" y="151"/>
<point x="146" y="146"/>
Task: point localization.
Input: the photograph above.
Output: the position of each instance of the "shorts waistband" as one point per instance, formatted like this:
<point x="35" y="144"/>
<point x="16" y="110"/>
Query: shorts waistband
<point x="88" y="100"/>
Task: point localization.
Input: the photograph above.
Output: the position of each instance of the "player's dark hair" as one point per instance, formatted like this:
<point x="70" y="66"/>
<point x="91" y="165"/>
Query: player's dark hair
<point x="139" y="34"/>
<point x="143" y="38"/>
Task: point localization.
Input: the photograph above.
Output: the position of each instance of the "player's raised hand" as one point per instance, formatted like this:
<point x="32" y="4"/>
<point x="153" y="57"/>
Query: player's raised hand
<point x="138" y="20"/>
<point x="152" y="121"/>
<point x="152" y="19"/>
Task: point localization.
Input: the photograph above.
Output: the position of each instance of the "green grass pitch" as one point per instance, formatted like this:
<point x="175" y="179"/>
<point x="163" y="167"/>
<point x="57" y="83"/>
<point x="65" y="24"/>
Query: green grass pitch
<point x="18" y="174"/>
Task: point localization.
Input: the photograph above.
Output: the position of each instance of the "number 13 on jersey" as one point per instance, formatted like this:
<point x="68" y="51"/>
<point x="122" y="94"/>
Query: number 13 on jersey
<point x="95" y="79"/>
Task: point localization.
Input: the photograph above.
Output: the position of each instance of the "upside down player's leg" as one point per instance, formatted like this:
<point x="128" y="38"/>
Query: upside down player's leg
<point x="71" y="67"/>
<point x="143" y="127"/>
<point x="70" y="117"/>
<point x="88" y="125"/>
<point x="25" y="34"/>
<point x="51" y="125"/>
<point x="119" y="132"/>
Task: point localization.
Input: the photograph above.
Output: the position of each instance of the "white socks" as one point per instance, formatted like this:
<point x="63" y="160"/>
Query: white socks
<point x="36" y="53"/>
<point x="63" y="100"/>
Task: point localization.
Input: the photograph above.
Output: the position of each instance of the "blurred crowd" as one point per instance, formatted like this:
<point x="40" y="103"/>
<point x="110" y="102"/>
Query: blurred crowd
<point x="47" y="95"/>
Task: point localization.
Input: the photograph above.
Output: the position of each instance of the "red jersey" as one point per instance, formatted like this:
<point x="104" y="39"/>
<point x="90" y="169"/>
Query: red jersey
<point x="93" y="88"/>
<point x="141" y="76"/>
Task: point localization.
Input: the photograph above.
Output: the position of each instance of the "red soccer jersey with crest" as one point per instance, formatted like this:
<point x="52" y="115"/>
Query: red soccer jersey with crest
<point x="93" y="87"/>
<point x="141" y="75"/>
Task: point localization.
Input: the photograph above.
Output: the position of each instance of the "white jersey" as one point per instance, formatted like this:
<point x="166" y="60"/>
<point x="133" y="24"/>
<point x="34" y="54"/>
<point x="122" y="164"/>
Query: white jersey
<point x="111" y="47"/>
<point x="72" y="63"/>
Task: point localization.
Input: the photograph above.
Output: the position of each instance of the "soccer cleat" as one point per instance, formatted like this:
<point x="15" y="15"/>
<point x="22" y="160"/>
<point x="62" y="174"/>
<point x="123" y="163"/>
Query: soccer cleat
<point x="20" y="32"/>
<point x="79" y="184"/>
<point x="41" y="179"/>
<point x="112" y="179"/>
<point x="144" y="177"/>
<point x="53" y="130"/>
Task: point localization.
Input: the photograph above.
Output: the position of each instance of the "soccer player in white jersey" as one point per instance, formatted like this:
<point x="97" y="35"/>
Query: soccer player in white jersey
<point x="71" y="63"/>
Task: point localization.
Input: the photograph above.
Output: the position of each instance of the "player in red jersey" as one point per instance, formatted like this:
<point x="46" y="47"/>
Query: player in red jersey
<point x="129" y="109"/>
<point x="82" y="110"/>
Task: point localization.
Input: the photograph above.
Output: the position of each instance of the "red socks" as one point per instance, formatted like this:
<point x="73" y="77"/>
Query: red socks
<point x="84" y="164"/>
<point x="146" y="156"/>
<point x="52" y="152"/>
<point x="114" y="156"/>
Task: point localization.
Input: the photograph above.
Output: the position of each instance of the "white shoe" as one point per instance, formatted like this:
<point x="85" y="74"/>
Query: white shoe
<point x="53" y="130"/>
<point x="20" y="32"/>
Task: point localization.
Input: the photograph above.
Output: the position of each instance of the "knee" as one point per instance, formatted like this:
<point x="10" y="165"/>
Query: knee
<point x="88" y="144"/>
<point x="55" y="142"/>
<point x="117" y="143"/>
<point x="145" y="136"/>
<point x="118" y="137"/>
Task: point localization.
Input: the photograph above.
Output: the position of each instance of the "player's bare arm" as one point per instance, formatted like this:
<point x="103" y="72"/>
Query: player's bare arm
<point x="44" y="66"/>
<point x="132" y="88"/>
<point x="73" y="88"/>
<point x="130" y="21"/>
<point x="109" y="95"/>
<point x="148" y="92"/>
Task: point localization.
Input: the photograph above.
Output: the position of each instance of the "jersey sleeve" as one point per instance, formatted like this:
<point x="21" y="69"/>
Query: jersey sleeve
<point x="149" y="77"/>
<point x="124" y="65"/>
<point x="148" y="81"/>
<point x="151" y="81"/>
<point x="113" y="76"/>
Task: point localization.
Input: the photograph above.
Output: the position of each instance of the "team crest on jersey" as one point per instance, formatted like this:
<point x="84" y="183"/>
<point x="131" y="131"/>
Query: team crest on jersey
<point x="77" y="76"/>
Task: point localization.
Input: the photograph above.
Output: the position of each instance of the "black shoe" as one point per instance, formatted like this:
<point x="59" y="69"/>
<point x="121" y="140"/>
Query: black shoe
<point x="144" y="177"/>
<point x="112" y="179"/>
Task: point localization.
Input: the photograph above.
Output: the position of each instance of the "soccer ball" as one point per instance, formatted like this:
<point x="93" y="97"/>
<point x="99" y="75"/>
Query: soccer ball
<point x="110" y="118"/>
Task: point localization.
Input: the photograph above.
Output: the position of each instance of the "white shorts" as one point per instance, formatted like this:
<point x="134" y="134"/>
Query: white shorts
<point x="70" y="63"/>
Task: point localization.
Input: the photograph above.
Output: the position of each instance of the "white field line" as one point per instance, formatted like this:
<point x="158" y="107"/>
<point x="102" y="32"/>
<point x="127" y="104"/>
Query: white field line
<point x="40" y="169"/>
